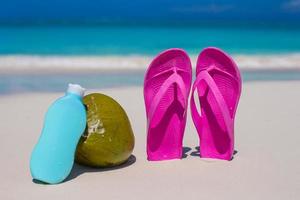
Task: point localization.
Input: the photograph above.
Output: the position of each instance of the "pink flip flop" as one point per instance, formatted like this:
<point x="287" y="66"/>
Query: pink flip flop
<point x="167" y="86"/>
<point x="218" y="84"/>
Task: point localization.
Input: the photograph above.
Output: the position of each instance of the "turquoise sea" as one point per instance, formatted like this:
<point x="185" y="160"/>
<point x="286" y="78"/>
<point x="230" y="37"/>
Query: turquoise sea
<point x="138" y="39"/>
<point x="73" y="40"/>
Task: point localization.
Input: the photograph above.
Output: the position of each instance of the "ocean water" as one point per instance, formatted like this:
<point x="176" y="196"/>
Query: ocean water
<point x="139" y="40"/>
<point x="121" y="53"/>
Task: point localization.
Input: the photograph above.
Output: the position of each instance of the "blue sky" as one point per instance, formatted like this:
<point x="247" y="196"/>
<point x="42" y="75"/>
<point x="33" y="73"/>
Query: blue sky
<point x="136" y="10"/>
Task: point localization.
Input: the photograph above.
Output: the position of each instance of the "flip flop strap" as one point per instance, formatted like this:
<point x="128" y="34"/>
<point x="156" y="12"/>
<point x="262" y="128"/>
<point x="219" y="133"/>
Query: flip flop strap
<point x="174" y="78"/>
<point x="205" y="76"/>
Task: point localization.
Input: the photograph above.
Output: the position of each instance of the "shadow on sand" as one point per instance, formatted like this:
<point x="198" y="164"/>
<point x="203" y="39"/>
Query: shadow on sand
<point x="80" y="169"/>
<point x="77" y="170"/>
<point x="197" y="153"/>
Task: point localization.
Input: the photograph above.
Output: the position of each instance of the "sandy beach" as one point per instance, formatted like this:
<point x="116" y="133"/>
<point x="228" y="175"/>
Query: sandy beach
<point x="107" y="47"/>
<point x="28" y="64"/>
<point x="266" y="165"/>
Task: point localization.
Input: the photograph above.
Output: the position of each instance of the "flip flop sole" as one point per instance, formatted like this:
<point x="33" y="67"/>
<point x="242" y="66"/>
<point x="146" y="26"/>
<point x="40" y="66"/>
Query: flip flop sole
<point x="166" y="88"/>
<point x="219" y="87"/>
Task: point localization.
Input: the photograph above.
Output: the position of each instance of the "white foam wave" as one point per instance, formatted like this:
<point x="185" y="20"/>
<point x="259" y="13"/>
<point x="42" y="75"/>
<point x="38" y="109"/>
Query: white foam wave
<point x="15" y="63"/>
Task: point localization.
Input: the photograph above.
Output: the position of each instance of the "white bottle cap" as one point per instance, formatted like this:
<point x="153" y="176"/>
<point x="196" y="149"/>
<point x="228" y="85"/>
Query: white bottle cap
<point x="76" y="89"/>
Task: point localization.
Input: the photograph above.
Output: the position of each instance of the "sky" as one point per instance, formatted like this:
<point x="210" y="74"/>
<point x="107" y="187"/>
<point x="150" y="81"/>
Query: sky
<point x="143" y="10"/>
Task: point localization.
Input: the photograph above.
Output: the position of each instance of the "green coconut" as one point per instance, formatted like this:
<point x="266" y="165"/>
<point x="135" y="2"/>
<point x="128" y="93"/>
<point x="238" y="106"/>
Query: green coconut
<point x="108" y="139"/>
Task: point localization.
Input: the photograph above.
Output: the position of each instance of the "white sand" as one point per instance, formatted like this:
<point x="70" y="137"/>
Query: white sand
<point x="267" y="165"/>
<point x="58" y="64"/>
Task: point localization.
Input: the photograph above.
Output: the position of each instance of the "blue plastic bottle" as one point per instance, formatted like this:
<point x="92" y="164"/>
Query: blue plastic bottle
<point x="53" y="156"/>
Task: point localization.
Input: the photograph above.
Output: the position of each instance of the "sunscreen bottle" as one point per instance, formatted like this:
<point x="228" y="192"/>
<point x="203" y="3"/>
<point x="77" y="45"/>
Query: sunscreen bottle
<point x="53" y="156"/>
